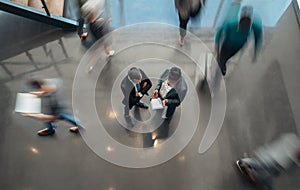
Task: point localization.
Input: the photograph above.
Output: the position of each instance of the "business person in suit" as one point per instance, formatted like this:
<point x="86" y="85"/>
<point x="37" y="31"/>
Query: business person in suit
<point x="134" y="86"/>
<point x="171" y="89"/>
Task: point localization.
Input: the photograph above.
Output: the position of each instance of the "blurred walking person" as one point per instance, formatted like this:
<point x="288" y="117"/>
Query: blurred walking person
<point x="270" y="160"/>
<point x="187" y="9"/>
<point x="234" y="33"/>
<point x="50" y="90"/>
<point x="95" y="16"/>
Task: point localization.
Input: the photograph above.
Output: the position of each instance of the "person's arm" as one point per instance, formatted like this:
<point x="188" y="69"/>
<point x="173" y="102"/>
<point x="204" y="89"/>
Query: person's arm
<point x="155" y="94"/>
<point x="100" y="20"/>
<point x="182" y="94"/>
<point x="40" y="116"/>
<point x="217" y="41"/>
<point x="162" y="77"/>
<point x="146" y="84"/>
<point x="181" y="91"/>
<point x="38" y="93"/>
<point x="175" y="100"/>
<point x="258" y="34"/>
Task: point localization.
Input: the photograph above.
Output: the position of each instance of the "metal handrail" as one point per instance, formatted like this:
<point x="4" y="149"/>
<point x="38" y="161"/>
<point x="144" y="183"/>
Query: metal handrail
<point x="32" y="13"/>
<point x="45" y="7"/>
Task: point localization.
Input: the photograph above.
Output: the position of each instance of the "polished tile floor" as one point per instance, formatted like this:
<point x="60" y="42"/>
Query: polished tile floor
<point x="108" y="156"/>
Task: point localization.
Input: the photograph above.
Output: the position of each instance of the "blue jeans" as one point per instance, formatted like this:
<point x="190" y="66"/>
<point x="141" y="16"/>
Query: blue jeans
<point x="63" y="116"/>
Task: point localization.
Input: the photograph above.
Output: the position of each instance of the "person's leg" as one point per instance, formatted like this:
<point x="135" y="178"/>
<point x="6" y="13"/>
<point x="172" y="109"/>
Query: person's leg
<point x="49" y="130"/>
<point x="182" y="25"/>
<point x="135" y="101"/>
<point x="108" y="40"/>
<point x="68" y="117"/>
<point x="109" y="53"/>
<point x="141" y="104"/>
<point x="80" y="31"/>
<point x="50" y="125"/>
<point x="224" y="56"/>
<point x="71" y="119"/>
<point x="170" y="112"/>
<point x="127" y="116"/>
<point x="182" y="28"/>
<point x="226" y="53"/>
<point x="80" y="26"/>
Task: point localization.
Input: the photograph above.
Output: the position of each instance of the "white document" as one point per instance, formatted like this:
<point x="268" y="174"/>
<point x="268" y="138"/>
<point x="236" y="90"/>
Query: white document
<point x="156" y="103"/>
<point x="28" y="103"/>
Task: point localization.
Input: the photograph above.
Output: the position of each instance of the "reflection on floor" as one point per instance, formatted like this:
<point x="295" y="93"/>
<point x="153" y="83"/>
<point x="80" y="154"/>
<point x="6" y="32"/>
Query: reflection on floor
<point x="258" y="110"/>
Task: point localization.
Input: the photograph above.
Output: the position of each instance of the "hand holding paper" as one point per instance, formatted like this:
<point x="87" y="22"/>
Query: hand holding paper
<point x="155" y="94"/>
<point x="156" y="103"/>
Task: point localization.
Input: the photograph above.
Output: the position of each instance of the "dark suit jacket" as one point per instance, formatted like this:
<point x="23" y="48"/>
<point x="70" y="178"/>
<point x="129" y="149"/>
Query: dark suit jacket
<point x="176" y="95"/>
<point x="129" y="91"/>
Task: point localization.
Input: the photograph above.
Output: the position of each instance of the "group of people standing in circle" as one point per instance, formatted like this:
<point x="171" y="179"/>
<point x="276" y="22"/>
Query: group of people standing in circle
<point x="170" y="89"/>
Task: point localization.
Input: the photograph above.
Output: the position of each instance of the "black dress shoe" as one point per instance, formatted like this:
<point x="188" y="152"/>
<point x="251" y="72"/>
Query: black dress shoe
<point x="46" y="132"/>
<point x="142" y="105"/>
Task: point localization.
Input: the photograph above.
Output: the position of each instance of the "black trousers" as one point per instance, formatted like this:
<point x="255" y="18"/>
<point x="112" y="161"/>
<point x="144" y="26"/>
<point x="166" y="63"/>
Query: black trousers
<point x="80" y="26"/>
<point x="128" y="106"/>
<point x="226" y="52"/>
<point x="170" y="111"/>
<point x="182" y="25"/>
